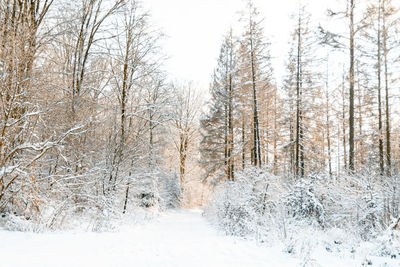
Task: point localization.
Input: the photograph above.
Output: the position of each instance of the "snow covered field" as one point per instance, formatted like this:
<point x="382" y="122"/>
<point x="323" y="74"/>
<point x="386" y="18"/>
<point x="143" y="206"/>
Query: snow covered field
<point x="176" y="238"/>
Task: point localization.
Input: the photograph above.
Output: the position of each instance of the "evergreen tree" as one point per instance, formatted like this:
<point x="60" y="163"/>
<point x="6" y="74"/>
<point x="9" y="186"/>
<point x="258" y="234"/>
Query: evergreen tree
<point x="257" y="70"/>
<point x="304" y="99"/>
<point x="217" y="146"/>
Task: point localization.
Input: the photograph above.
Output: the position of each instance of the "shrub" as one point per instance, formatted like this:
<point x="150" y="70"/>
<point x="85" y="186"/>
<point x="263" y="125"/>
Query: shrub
<point x="302" y="203"/>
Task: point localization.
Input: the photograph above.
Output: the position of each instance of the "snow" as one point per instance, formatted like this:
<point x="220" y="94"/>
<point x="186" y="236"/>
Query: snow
<point x="7" y="170"/>
<point x="175" y="238"/>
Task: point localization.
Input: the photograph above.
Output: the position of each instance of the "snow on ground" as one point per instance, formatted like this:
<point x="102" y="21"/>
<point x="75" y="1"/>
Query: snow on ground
<point x="176" y="238"/>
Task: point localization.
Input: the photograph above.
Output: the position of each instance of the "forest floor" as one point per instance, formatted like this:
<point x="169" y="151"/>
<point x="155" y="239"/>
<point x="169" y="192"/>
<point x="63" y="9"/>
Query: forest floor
<point x="175" y="238"/>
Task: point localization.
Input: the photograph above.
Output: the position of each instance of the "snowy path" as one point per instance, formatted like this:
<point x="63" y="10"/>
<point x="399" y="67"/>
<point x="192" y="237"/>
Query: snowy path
<point x="177" y="238"/>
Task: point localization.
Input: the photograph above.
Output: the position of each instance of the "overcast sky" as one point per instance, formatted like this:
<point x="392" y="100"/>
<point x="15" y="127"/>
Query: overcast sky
<point x="195" y="29"/>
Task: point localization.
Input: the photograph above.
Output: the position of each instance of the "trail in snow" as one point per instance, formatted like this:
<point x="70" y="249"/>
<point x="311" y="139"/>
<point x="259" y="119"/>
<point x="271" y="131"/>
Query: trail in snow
<point x="176" y="238"/>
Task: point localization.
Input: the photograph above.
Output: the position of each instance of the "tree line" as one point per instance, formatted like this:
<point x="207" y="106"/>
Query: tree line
<point x="86" y="110"/>
<point x="334" y="111"/>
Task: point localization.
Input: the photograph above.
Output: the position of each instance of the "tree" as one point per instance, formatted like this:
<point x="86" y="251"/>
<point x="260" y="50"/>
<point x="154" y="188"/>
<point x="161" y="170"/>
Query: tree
<point x="184" y="123"/>
<point x="81" y="61"/>
<point x="134" y="56"/>
<point x="20" y="40"/>
<point x="389" y="23"/>
<point x="328" y="120"/>
<point x="351" y="88"/>
<point x="218" y="127"/>
<point x="304" y="95"/>
<point x="337" y="41"/>
<point x="374" y="32"/>
<point x="256" y="59"/>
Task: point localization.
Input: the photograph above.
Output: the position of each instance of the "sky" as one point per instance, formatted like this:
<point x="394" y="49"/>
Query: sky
<point x="194" y="31"/>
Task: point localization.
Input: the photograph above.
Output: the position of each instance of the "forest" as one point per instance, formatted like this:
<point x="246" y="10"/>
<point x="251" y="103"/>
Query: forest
<point x="94" y="130"/>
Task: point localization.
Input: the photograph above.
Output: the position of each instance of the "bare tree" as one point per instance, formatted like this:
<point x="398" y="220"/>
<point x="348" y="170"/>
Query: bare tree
<point x="187" y="110"/>
<point x="19" y="43"/>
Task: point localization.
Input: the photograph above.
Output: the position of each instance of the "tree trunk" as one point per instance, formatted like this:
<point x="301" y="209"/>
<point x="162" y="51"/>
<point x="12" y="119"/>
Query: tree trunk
<point x="126" y="198"/>
<point x="256" y="126"/>
<point x="230" y="123"/>
<point x="379" y="72"/>
<point x="275" y="168"/>
<point x="299" y="131"/>
<point x="360" y="122"/>
<point x="387" y="111"/>
<point x="243" y="145"/>
<point x="328" y="137"/>
<point x="182" y="158"/>
<point x="351" y="91"/>
<point x="344" y="128"/>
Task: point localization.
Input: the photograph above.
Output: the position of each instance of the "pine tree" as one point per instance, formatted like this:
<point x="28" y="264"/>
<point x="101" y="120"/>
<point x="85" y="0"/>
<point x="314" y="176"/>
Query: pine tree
<point x="305" y="97"/>
<point x="217" y="146"/>
<point x="257" y="70"/>
<point x="390" y="24"/>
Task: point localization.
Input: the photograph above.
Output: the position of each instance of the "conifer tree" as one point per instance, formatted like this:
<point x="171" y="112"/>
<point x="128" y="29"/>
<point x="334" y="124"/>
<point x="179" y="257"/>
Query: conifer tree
<point x="304" y="94"/>
<point x="218" y="126"/>
<point x="257" y="72"/>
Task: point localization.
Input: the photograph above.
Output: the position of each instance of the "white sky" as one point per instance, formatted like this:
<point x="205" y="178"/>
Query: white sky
<point x="195" y="28"/>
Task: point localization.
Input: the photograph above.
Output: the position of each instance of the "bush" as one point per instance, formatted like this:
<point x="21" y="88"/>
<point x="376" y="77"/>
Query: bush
<point x="388" y="244"/>
<point x="234" y="215"/>
<point x="239" y="207"/>
<point x="302" y="203"/>
<point x="370" y="222"/>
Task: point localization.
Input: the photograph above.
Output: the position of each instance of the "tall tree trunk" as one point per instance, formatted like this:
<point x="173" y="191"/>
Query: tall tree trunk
<point x="328" y="137"/>
<point x="360" y="121"/>
<point x="124" y="91"/>
<point x="344" y="127"/>
<point x="302" y="156"/>
<point x="256" y="125"/>
<point x="126" y="197"/>
<point x="351" y="91"/>
<point x="275" y="168"/>
<point x="183" y="147"/>
<point x="230" y="123"/>
<point x="387" y="111"/>
<point x="256" y="129"/>
<point x="292" y="147"/>
<point x="226" y="141"/>
<point x="243" y="145"/>
<point x="380" y="133"/>
<point x="299" y="130"/>
<point x="151" y="140"/>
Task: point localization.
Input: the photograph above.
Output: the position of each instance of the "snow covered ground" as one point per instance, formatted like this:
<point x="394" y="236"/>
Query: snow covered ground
<point x="176" y="238"/>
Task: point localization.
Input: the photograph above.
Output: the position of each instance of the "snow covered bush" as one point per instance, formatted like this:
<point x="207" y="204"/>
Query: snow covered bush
<point x="388" y="244"/>
<point x="260" y="205"/>
<point x="157" y="190"/>
<point x="242" y="207"/>
<point x="63" y="205"/>
<point x="234" y="215"/>
<point x="370" y="222"/>
<point x="170" y="191"/>
<point x="12" y="222"/>
<point x="303" y="203"/>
